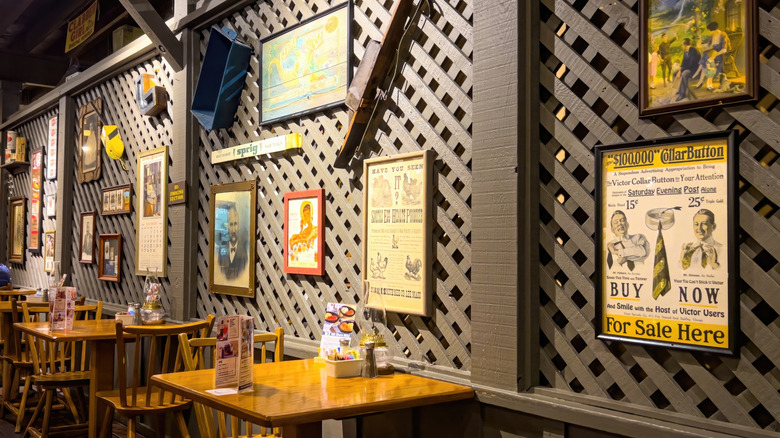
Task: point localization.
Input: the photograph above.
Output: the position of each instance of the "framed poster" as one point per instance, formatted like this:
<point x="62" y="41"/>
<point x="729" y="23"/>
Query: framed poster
<point x="36" y="184"/>
<point x="48" y="251"/>
<point x="51" y="205"/>
<point x="232" y="238"/>
<point x="116" y="200"/>
<point x="87" y="237"/>
<point x="89" y="150"/>
<point x="17" y="209"/>
<point x="666" y="242"/>
<point x="696" y="54"/>
<point x="306" y="67"/>
<point x="151" y="249"/>
<point x="397" y="231"/>
<point x="51" y="153"/>
<point x="304" y="232"/>
<point x="110" y="257"/>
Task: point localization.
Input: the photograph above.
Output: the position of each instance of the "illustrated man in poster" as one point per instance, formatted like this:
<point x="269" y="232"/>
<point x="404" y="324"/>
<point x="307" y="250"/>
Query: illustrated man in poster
<point x="689" y="66"/>
<point x="233" y="259"/>
<point x="152" y="190"/>
<point x="86" y="240"/>
<point x="626" y="249"/>
<point x="704" y="251"/>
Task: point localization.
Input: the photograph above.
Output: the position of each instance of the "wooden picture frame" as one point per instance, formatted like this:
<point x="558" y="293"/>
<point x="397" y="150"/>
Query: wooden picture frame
<point x="49" y="242"/>
<point x="151" y="245"/>
<point x="304" y="232"/>
<point x="727" y="70"/>
<point x="110" y="257"/>
<point x="657" y="281"/>
<point x="231" y="243"/>
<point x="17" y="227"/>
<point x="397" y="230"/>
<point x="89" y="150"/>
<point x="87" y="237"/>
<point x="285" y="95"/>
<point x="116" y="200"/>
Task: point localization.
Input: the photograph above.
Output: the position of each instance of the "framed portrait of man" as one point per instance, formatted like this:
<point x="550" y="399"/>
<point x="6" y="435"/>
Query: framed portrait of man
<point x="17" y="208"/>
<point x="232" y="243"/>
<point x="666" y="242"/>
<point x="87" y="237"/>
<point x="89" y="150"/>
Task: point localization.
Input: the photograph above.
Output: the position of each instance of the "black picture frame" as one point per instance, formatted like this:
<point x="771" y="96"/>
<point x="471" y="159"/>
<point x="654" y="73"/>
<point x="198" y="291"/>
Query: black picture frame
<point x="348" y="61"/>
<point x="622" y="285"/>
<point x="742" y="37"/>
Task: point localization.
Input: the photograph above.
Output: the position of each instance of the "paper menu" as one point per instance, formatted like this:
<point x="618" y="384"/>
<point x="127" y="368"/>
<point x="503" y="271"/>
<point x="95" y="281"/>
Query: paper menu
<point x="62" y="307"/>
<point x="234" y="353"/>
<point x="339" y="324"/>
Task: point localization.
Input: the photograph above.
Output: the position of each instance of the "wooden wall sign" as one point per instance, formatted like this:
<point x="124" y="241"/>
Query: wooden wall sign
<point x="36" y="183"/>
<point x="177" y="193"/>
<point x="257" y="148"/>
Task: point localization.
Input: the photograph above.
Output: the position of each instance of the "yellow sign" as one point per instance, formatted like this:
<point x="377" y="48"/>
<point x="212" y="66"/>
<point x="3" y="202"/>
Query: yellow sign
<point x="81" y="28"/>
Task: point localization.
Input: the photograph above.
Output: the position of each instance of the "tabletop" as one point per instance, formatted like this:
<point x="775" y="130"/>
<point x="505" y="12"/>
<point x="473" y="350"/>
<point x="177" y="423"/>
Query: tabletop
<point x="299" y="391"/>
<point x="17" y="292"/>
<point x="91" y="330"/>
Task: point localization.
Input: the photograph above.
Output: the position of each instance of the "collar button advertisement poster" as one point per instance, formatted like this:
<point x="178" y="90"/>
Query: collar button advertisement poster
<point x="666" y="242"/>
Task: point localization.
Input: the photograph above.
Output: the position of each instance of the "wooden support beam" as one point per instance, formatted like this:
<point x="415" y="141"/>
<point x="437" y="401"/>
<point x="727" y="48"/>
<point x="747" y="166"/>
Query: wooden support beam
<point x="66" y="144"/>
<point x="155" y="28"/>
<point x="363" y="88"/>
<point x="37" y="69"/>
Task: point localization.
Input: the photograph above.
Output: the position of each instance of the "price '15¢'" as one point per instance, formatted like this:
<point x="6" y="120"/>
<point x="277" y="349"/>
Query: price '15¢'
<point x="631" y="204"/>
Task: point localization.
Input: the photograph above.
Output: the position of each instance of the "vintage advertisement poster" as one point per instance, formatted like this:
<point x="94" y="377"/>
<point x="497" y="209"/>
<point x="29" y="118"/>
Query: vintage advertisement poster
<point x="151" y="245"/>
<point x="666" y="242"/>
<point x="51" y="153"/>
<point x="304" y="232"/>
<point x="81" y="27"/>
<point x="396" y="249"/>
<point x="36" y="183"/>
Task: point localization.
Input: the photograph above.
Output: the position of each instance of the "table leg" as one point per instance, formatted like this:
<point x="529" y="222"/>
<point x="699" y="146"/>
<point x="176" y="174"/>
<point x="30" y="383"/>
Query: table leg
<point x="8" y="348"/>
<point x="102" y="369"/>
<point x="305" y="430"/>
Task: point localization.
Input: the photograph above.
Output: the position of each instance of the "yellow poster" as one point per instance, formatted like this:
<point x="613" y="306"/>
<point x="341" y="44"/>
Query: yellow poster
<point x="665" y="257"/>
<point x="396" y="251"/>
<point x="81" y="28"/>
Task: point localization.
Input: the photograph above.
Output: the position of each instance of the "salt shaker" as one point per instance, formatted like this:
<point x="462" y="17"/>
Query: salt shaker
<point x="369" y="362"/>
<point x="137" y="314"/>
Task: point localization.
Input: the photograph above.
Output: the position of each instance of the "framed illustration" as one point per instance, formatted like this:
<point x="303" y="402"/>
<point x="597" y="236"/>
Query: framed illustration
<point x="397" y="231"/>
<point x="151" y="250"/>
<point x="87" y="237"/>
<point x="51" y="205"/>
<point x="36" y="186"/>
<point x="117" y="200"/>
<point x="110" y="257"/>
<point x="232" y="238"/>
<point x="666" y="242"/>
<point x="696" y="54"/>
<point x="304" y="232"/>
<point x="17" y="208"/>
<point x="306" y="67"/>
<point x="89" y="150"/>
<point x="48" y="251"/>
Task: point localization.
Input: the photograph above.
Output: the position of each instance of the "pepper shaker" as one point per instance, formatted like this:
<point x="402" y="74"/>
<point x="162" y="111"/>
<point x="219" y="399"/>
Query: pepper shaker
<point x="137" y="314"/>
<point x="369" y="363"/>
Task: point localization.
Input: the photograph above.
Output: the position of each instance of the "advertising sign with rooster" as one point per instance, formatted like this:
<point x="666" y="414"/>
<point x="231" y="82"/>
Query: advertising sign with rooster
<point x="396" y="248"/>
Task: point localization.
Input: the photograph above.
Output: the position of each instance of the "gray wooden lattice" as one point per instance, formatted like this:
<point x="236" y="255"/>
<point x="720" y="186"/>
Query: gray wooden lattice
<point x="589" y="86"/>
<point x="429" y="107"/>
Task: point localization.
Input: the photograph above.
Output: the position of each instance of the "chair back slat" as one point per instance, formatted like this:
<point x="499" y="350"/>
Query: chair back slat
<point x="193" y="352"/>
<point x="122" y="365"/>
<point x="161" y="337"/>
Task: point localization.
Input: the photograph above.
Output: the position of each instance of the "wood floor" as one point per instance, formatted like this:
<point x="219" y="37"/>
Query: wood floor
<point x="7" y="428"/>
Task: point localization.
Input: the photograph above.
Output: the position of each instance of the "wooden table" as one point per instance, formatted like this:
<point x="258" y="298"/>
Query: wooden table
<point x="102" y="334"/>
<point x="298" y="395"/>
<point x="16" y="292"/>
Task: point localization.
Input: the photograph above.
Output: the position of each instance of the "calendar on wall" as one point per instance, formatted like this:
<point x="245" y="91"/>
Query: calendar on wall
<point x="151" y="243"/>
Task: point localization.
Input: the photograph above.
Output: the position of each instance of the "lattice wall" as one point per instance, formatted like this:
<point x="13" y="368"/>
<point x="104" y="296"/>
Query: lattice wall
<point x="139" y="134"/>
<point x="589" y="91"/>
<point x="429" y="107"/>
<point x="31" y="274"/>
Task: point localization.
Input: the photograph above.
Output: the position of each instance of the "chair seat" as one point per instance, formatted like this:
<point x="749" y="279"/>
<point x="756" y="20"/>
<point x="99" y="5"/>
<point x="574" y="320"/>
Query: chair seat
<point x="64" y="379"/>
<point x="114" y="399"/>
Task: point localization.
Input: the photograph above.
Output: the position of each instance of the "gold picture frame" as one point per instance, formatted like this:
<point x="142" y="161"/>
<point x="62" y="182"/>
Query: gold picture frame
<point x="89" y="148"/>
<point x="232" y="228"/>
<point x="151" y="245"/>
<point x="49" y="242"/>
<point x="17" y="225"/>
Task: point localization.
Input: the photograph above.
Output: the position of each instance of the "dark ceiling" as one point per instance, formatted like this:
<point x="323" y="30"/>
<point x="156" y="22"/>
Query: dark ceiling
<point x="32" y="38"/>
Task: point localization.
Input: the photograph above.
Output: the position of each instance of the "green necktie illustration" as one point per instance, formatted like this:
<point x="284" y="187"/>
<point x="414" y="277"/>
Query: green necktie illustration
<point x="661" y="280"/>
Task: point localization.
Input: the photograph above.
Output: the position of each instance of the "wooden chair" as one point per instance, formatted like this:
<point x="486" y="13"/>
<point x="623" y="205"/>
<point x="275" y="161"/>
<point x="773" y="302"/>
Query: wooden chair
<point x="136" y="400"/>
<point x="57" y="366"/>
<point x="21" y="366"/>
<point x="194" y="353"/>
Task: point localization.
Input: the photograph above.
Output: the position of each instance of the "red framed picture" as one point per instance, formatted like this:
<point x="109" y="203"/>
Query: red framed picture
<point x="304" y="232"/>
